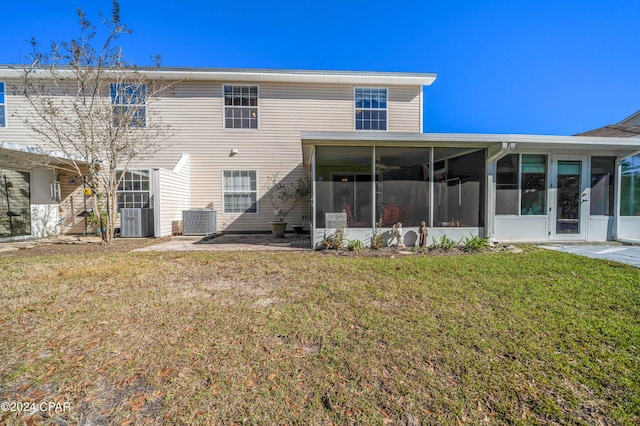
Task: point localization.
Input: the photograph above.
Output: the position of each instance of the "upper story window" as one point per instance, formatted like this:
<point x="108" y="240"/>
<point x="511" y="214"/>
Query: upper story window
<point x="371" y="108"/>
<point x="133" y="191"/>
<point x="240" y="107"/>
<point x="129" y="104"/>
<point x="3" y="122"/>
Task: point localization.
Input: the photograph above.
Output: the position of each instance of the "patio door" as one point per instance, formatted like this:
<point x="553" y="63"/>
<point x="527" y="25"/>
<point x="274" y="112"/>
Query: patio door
<point x="569" y="207"/>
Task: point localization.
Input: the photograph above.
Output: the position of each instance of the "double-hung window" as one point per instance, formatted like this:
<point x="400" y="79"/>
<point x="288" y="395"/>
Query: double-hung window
<point x="128" y="102"/>
<point x="240" y="107"/>
<point x="240" y="191"/>
<point x="370" y="108"/>
<point x="3" y="121"/>
<point x="133" y="191"/>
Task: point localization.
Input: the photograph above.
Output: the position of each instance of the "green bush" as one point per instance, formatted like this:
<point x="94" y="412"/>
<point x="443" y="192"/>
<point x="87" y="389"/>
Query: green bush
<point x="445" y="243"/>
<point x="377" y="240"/>
<point x="334" y="240"/>
<point x="355" y="245"/>
<point x="475" y="243"/>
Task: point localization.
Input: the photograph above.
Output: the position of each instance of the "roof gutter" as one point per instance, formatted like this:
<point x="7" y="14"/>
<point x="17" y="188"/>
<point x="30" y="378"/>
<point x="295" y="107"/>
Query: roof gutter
<point x="252" y="75"/>
<point x="505" y="149"/>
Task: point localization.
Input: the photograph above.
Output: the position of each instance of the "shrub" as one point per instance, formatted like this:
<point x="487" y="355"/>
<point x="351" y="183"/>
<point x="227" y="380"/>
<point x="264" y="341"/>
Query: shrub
<point x="376" y="239"/>
<point x="445" y="243"/>
<point x="355" y="245"/>
<point x="475" y="243"/>
<point x="335" y="240"/>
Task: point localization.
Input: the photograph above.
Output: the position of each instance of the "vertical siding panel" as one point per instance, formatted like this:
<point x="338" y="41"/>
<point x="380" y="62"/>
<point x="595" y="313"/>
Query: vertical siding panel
<point x="174" y="195"/>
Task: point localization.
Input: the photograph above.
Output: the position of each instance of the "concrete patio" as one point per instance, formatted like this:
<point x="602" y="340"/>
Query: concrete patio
<point x="629" y="255"/>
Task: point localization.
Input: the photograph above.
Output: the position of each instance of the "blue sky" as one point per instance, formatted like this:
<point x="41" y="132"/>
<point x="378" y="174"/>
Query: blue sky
<point x="504" y="66"/>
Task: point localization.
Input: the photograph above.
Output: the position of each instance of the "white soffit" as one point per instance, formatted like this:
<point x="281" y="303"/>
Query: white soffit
<point x="38" y="151"/>
<point x="573" y="141"/>
<point x="264" y="75"/>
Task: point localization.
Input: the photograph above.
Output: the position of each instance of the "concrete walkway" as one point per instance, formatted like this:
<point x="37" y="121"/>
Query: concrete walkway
<point x="623" y="254"/>
<point x="233" y="242"/>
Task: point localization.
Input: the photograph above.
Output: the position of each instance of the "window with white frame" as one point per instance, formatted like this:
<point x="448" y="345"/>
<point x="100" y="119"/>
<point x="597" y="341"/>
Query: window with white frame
<point x="603" y="172"/>
<point x="240" y="191"/>
<point x="3" y="121"/>
<point x="240" y="107"/>
<point x="521" y="185"/>
<point x="128" y="102"/>
<point x="133" y="191"/>
<point x="370" y="108"/>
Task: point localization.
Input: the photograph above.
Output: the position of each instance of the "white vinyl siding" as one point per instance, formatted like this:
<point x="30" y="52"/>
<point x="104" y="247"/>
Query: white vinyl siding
<point x="195" y="111"/>
<point x="171" y="197"/>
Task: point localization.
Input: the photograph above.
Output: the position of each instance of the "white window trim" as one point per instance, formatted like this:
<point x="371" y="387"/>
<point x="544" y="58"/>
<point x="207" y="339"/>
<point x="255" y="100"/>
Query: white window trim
<point x="547" y="182"/>
<point x="6" y="121"/>
<point x="224" y="108"/>
<point x="372" y="109"/>
<point x="615" y="184"/>
<point x="256" y="191"/>
<point x="148" y="191"/>
<point x="144" y="104"/>
<point x="519" y="183"/>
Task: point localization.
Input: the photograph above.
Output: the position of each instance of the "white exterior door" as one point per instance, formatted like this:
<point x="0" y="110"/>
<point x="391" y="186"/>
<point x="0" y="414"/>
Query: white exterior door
<point x="569" y="198"/>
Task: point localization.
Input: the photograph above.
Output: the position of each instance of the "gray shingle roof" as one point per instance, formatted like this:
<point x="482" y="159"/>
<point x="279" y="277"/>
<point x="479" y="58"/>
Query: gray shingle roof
<point x="613" y="131"/>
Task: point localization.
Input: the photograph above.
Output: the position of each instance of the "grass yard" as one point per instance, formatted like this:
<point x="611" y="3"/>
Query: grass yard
<point x="317" y="338"/>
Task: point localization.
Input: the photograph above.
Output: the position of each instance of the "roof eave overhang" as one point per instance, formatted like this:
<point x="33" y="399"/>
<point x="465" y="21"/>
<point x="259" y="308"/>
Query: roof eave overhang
<point x="618" y="146"/>
<point x="32" y="156"/>
<point x="259" y="75"/>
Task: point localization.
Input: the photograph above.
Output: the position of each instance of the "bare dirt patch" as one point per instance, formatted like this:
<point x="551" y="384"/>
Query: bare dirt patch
<point x="69" y="244"/>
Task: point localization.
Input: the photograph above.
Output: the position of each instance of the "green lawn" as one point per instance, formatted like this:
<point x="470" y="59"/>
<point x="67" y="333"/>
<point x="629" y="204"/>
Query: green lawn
<point x="316" y="338"/>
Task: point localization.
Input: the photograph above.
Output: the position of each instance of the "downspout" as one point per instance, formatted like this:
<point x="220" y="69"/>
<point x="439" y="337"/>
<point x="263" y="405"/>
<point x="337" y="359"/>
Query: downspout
<point x="492" y="161"/>
<point x="616" y="235"/>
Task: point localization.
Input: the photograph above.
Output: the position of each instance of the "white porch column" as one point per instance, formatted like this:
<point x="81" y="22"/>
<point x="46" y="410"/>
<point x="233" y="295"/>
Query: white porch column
<point x="491" y="168"/>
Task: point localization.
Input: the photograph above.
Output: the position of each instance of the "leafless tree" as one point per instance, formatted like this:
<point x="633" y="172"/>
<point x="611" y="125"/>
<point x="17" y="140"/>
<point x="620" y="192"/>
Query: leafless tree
<point x="87" y="102"/>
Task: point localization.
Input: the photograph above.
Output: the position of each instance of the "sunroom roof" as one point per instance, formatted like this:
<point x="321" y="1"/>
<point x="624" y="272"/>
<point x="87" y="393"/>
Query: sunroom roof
<point x="582" y="144"/>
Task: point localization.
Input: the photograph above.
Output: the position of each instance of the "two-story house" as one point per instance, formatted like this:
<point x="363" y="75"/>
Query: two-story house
<point x="359" y="136"/>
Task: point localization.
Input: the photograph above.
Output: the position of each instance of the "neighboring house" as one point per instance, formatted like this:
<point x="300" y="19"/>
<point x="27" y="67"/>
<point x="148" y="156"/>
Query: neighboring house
<point x="627" y="128"/>
<point x="359" y="135"/>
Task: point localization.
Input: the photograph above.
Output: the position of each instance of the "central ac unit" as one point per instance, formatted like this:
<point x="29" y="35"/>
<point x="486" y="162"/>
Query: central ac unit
<point x="198" y="222"/>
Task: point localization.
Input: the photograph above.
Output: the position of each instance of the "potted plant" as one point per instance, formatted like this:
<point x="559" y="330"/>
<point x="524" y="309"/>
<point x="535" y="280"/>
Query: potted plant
<point x="285" y="197"/>
<point x="98" y="222"/>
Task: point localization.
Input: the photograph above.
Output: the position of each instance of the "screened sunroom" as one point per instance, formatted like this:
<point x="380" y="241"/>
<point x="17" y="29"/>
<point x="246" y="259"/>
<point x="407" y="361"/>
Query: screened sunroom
<point x="505" y="187"/>
<point x="377" y="182"/>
